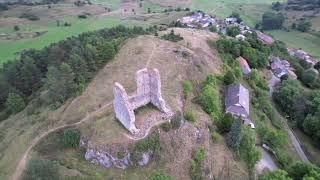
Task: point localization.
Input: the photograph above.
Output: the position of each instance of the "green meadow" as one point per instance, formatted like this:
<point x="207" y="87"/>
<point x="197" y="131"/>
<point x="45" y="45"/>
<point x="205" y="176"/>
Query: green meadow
<point x="250" y="10"/>
<point x="308" y="42"/>
<point x="9" y="48"/>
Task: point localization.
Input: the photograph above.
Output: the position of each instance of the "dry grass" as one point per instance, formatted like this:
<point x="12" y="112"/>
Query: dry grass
<point x="19" y="130"/>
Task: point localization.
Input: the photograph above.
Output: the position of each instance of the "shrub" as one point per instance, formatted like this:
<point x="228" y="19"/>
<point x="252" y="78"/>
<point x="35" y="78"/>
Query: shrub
<point x="166" y="126"/>
<point x="176" y="120"/>
<point x="189" y="116"/>
<point x="172" y="37"/>
<point x="150" y="144"/>
<point x="16" y="27"/>
<point x="224" y="123"/>
<point x="187" y="88"/>
<point x="41" y="169"/>
<point x="29" y="16"/>
<point x="229" y="78"/>
<point x="159" y="175"/>
<point x="196" y="164"/>
<point x="15" y="103"/>
<point x="209" y="98"/>
<point x="215" y="137"/>
<point x="82" y="16"/>
<point x="71" y="137"/>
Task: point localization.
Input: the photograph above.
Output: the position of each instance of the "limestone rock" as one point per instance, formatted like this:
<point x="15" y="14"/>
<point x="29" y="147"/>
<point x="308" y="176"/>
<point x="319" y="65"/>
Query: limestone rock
<point x="145" y="159"/>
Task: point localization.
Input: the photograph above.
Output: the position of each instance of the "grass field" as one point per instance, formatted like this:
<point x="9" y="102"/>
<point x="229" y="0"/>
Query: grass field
<point x="295" y="39"/>
<point x="114" y="4"/>
<point x="250" y="10"/>
<point x="54" y="34"/>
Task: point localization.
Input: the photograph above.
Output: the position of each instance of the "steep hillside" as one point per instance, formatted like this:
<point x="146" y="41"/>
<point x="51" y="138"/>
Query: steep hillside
<point x="24" y="135"/>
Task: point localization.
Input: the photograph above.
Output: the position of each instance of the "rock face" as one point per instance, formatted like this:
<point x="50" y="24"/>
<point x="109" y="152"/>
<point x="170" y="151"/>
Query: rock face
<point x="148" y="91"/>
<point x="107" y="160"/>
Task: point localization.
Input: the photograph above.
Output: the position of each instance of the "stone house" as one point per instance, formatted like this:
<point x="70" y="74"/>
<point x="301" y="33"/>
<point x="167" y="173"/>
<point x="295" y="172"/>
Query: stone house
<point x="237" y="102"/>
<point x="281" y="67"/>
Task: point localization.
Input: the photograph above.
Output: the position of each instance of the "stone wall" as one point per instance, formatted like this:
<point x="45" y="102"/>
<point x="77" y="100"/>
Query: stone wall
<point x="148" y="91"/>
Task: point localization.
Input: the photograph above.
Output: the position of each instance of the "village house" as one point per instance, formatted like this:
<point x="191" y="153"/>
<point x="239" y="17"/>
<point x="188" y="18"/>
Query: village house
<point x="237" y="102"/>
<point x="198" y="19"/>
<point x="264" y="38"/>
<point x="281" y="67"/>
<point x="240" y="37"/>
<point x="230" y="20"/>
<point x="246" y="70"/>
<point x="302" y="55"/>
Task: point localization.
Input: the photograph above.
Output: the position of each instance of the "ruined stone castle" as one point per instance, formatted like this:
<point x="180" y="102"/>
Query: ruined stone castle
<point x="148" y="91"/>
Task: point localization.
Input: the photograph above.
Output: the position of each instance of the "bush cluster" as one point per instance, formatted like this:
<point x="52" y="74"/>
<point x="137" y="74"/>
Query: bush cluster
<point x="71" y="137"/>
<point x="196" y="170"/>
<point x="41" y="169"/>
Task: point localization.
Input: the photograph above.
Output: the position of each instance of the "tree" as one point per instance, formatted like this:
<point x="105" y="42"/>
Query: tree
<point x="277" y="6"/>
<point x="304" y="26"/>
<point x="233" y="31"/>
<point x="224" y="124"/>
<point x="108" y="51"/>
<point x="60" y="83"/>
<point x="248" y="151"/>
<point x="275" y="175"/>
<point x="317" y="66"/>
<point x="229" y="78"/>
<point x="250" y="54"/>
<point x="311" y="126"/>
<point x="236" y="15"/>
<point x="272" y="20"/>
<point x="16" y="27"/>
<point x="309" y="77"/>
<point x="41" y="169"/>
<point x="209" y="99"/>
<point x="234" y="136"/>
<point x="287" y="93"/>
<point x="262" y="60"/>
<point x="299" y="170"/>
<point x="15" y="103"/>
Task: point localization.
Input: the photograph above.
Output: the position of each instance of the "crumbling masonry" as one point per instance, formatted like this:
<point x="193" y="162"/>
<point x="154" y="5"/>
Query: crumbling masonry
<point x="148" y="91"/>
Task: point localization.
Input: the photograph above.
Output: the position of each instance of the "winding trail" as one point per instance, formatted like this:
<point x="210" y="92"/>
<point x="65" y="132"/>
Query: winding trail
<point x="23" y="161"/>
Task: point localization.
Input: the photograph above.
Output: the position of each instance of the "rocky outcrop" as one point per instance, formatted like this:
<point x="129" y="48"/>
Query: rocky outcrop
<point x="105" y="159"/>
<point x="148" y="91"/>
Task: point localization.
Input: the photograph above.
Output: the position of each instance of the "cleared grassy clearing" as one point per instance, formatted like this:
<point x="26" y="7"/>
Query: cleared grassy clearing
<point x="295" y="39"/>
<point x="114" y="4"/>
<point x="9" y="48"/>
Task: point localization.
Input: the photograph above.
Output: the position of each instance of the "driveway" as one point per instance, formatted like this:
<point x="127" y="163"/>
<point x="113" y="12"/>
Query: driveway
<point x="266" y="162"/>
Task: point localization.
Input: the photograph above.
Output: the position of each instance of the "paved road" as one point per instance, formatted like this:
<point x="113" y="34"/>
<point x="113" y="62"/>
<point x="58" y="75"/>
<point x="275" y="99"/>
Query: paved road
<point x="295" y="141"/>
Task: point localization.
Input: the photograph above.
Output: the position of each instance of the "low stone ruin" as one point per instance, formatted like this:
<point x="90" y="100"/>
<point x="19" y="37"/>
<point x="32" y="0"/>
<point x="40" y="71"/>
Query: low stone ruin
<point x="148" y="91"/>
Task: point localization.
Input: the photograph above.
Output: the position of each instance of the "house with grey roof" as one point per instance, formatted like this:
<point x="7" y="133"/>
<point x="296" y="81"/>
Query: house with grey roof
<point x="237" y="101"/>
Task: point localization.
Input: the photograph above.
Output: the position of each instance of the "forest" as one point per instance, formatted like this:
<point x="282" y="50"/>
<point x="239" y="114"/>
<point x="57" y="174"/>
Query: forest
<point x="59" y="71"/>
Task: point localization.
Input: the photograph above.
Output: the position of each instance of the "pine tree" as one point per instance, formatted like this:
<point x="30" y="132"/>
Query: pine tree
<point x="234" y="136"/>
